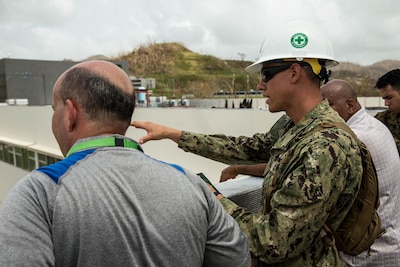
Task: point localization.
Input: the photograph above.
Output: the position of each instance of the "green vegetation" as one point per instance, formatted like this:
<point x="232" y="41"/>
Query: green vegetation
<point x="179" y="72"/>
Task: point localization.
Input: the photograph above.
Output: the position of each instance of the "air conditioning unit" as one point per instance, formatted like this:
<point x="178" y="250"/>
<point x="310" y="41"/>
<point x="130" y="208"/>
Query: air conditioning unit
<point x="245" y="191"/>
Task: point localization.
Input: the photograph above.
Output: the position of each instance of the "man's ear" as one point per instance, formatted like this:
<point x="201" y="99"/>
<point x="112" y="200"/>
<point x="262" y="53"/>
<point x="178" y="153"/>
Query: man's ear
<point x="71" y="116"/>
<point x="351" y="106"/>
<point x="295" y="70"/>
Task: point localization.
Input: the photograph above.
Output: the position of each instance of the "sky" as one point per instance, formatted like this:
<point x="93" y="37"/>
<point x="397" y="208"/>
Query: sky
<point x="362" y="32"/>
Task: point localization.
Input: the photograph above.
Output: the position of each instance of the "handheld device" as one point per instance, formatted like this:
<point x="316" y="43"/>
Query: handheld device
<point x="205" y="179"/>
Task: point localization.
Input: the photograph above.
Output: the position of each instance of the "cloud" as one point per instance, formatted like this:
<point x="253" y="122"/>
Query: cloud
<point x="36" y="12"/>
<point x="58" y="29"/>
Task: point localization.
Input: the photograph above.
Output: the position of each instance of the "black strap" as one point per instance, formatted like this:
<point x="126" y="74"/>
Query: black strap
<point x="119" y="141"/>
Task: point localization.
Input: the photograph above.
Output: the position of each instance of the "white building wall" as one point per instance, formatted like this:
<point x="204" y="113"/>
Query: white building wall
<point x="30" y="126"/>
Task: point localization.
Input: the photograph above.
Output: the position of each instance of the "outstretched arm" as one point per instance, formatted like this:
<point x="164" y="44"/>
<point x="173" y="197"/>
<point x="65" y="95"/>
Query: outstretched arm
<point x="234" y="170"/>
<point x="157" y="131"/>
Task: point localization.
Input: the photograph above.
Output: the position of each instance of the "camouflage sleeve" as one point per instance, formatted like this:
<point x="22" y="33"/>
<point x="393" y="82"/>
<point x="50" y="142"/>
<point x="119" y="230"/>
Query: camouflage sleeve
<point x="392" y="122"/>
<point x="300" y="206"/>
<point x="397" y="140"/>
<point x="228" y="149"/>
<point x="234" y="150"/>
<point x="380" y="116"/>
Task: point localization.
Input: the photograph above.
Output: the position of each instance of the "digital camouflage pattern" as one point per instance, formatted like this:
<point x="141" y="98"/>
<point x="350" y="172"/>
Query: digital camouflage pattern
<point x="319" y="177"/>
<point x="235" y="150"/>
<point x="392" y="121"/>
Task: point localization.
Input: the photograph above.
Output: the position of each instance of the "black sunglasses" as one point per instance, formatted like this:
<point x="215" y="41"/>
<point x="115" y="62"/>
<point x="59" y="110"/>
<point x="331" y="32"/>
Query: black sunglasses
<point x="268" y="73"/>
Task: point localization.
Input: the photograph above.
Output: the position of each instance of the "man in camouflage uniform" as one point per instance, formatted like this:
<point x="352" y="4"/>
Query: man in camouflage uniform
<point x="389" y="89"/>
<point x="318" y="172"/>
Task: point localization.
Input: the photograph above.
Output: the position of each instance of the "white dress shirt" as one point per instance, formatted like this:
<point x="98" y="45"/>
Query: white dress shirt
<point x="379" y="141"/>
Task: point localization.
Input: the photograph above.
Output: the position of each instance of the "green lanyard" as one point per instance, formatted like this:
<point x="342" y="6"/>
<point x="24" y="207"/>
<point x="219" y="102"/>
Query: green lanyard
<point x="103" y="142"/>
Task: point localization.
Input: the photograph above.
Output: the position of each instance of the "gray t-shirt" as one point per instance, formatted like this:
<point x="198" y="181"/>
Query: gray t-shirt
<point x="116" y="206"/>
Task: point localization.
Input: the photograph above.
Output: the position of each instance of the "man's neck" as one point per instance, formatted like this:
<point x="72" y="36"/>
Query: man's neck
<point x="297" y="113"/>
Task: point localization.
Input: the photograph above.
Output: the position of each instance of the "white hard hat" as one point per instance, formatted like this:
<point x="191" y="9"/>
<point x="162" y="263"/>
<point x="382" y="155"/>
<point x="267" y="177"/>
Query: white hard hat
<point x="295" y="40"/>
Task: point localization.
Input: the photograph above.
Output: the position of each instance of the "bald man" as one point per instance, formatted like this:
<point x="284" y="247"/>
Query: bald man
<point x="107" y="203"/>
<point x="380" y="142"/>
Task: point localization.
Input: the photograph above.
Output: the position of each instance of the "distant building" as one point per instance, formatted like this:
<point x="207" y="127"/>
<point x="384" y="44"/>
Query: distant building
<point x="148" y="83"/>
<point x="34" y="79"/>
<point x="250" y="93"/>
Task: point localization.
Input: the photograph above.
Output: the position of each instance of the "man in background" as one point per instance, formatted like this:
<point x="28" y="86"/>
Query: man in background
<point x="389" y="89"/>
<point x="107" y="203"/>
<point x="375" y="135"/>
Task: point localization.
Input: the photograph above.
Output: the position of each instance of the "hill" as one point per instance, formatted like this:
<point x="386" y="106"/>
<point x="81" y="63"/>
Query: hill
<point x="179" y="71"/>
<point x="363" y="78"/>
